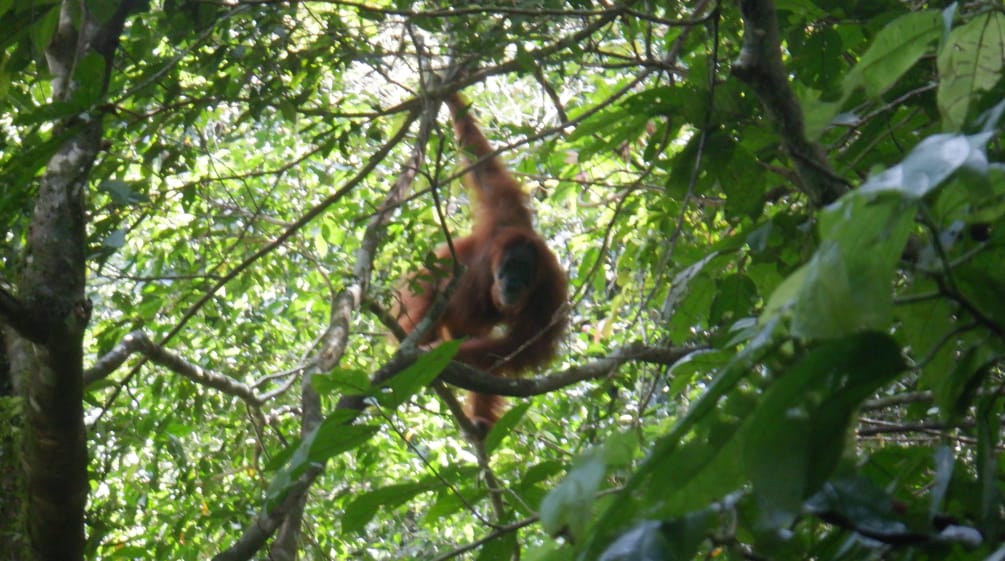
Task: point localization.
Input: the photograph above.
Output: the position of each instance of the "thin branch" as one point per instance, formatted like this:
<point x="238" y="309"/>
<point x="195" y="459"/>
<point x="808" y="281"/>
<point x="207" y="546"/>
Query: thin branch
<point x="138" y="342"/>
<point x="880" y="426"/>
<point x="468" y="378"/>
<point x="900" y="399"/>
<point x="254" y="536"/>
<point x="948" y="286"/>
<point x="304" y="220"/>
<point x="496" y="534"/>
<point x="463" y="376"/>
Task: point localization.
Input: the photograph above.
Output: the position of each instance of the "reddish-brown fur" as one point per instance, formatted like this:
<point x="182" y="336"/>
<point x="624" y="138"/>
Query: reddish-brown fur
<point x="533" y="322"/>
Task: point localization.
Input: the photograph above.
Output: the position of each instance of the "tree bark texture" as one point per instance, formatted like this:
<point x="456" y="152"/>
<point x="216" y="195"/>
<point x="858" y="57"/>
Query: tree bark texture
<point x="45" y="346"/>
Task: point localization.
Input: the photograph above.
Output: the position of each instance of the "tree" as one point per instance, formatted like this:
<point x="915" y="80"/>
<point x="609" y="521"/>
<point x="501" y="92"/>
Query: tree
<point x="781" y="226"/>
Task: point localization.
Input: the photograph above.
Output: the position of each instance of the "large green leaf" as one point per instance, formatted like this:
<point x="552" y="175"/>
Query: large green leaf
<point x="971" y="62"/>
<point x="650" y="540"/>
<point x="567" y="508"/>
<point x="847" y="284"/>
<point x="797" y="434"/>
<point x="894" y="50"/>
<point x="363" y="508"/>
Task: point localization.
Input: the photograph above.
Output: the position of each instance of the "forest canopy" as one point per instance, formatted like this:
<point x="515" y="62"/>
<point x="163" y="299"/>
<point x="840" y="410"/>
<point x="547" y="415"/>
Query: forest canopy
<point x="782" y="225"/>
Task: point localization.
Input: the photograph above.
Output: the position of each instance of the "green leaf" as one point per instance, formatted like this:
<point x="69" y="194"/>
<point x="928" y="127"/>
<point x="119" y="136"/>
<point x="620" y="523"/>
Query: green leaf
<point x="860" y="502"/>
<point x="341" y="380"/>
<point x="970" y="62"/>
<point x="505" y="426"/>
<point x="797" y="433"/>
<point x="115" y="240"/>
<point x="121" y="192"/>
<point x="334" y="436"/>
<point x="846" y="285"/>
<point x="742" y="179"/>
<point x="646" y="541"/>
<point x="896" y="48"/>
<point x="817" y="113"/>
<point x="671" y="466"/>
<point x="684" y="371"/>
<point x="89" y="74"/>
<point x="680" y="284"/>
<point x="362" y="509"/>
<point x="931" y="163"/>
<point x="953" y="391"/>
<point x="651" y="540"/>
<point x="620" y="449"/>
<point x="419" y="375"/>
<point x="45" y="28"/>
<point x="735" y="297"/>
<point x="568" y="506"/>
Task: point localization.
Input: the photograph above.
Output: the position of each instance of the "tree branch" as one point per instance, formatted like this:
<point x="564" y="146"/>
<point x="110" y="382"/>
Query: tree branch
<point x="468" y="378"/>
<point x="760" y="67"/>
<point x="138" y="342"/>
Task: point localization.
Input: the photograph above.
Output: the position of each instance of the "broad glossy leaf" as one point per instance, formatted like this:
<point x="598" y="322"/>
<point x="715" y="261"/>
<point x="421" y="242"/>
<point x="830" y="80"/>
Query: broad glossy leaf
<point x="345" y="381"/>
<point x="861" y="503"/>
<point x="847" y="284"/>
<point x="674" y="540"/>
<point x="677" y="471"/>
<point x="334" y="436"/>
<point x="505" y="425"/>
<point x="931" y="163"/>
<point x="646" y="541"/>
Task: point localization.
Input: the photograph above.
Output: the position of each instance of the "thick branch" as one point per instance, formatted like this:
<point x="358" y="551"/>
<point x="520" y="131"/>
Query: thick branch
<point x="48" y="363"/>
<point x="465" y="377"/>
<point x="760" y="67"/>
<point x="256" y="534"/>
<point x="468" y="378"/>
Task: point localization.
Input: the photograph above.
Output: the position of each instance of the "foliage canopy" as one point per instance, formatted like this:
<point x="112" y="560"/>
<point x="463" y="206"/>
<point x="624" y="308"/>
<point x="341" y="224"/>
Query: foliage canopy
<point x="784" y="228"/>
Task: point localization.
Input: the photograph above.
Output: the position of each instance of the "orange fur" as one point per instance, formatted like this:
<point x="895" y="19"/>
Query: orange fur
<point x="496" y="255"/>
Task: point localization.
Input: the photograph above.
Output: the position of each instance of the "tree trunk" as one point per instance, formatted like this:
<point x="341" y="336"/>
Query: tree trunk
<point x="48" y="319"/>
